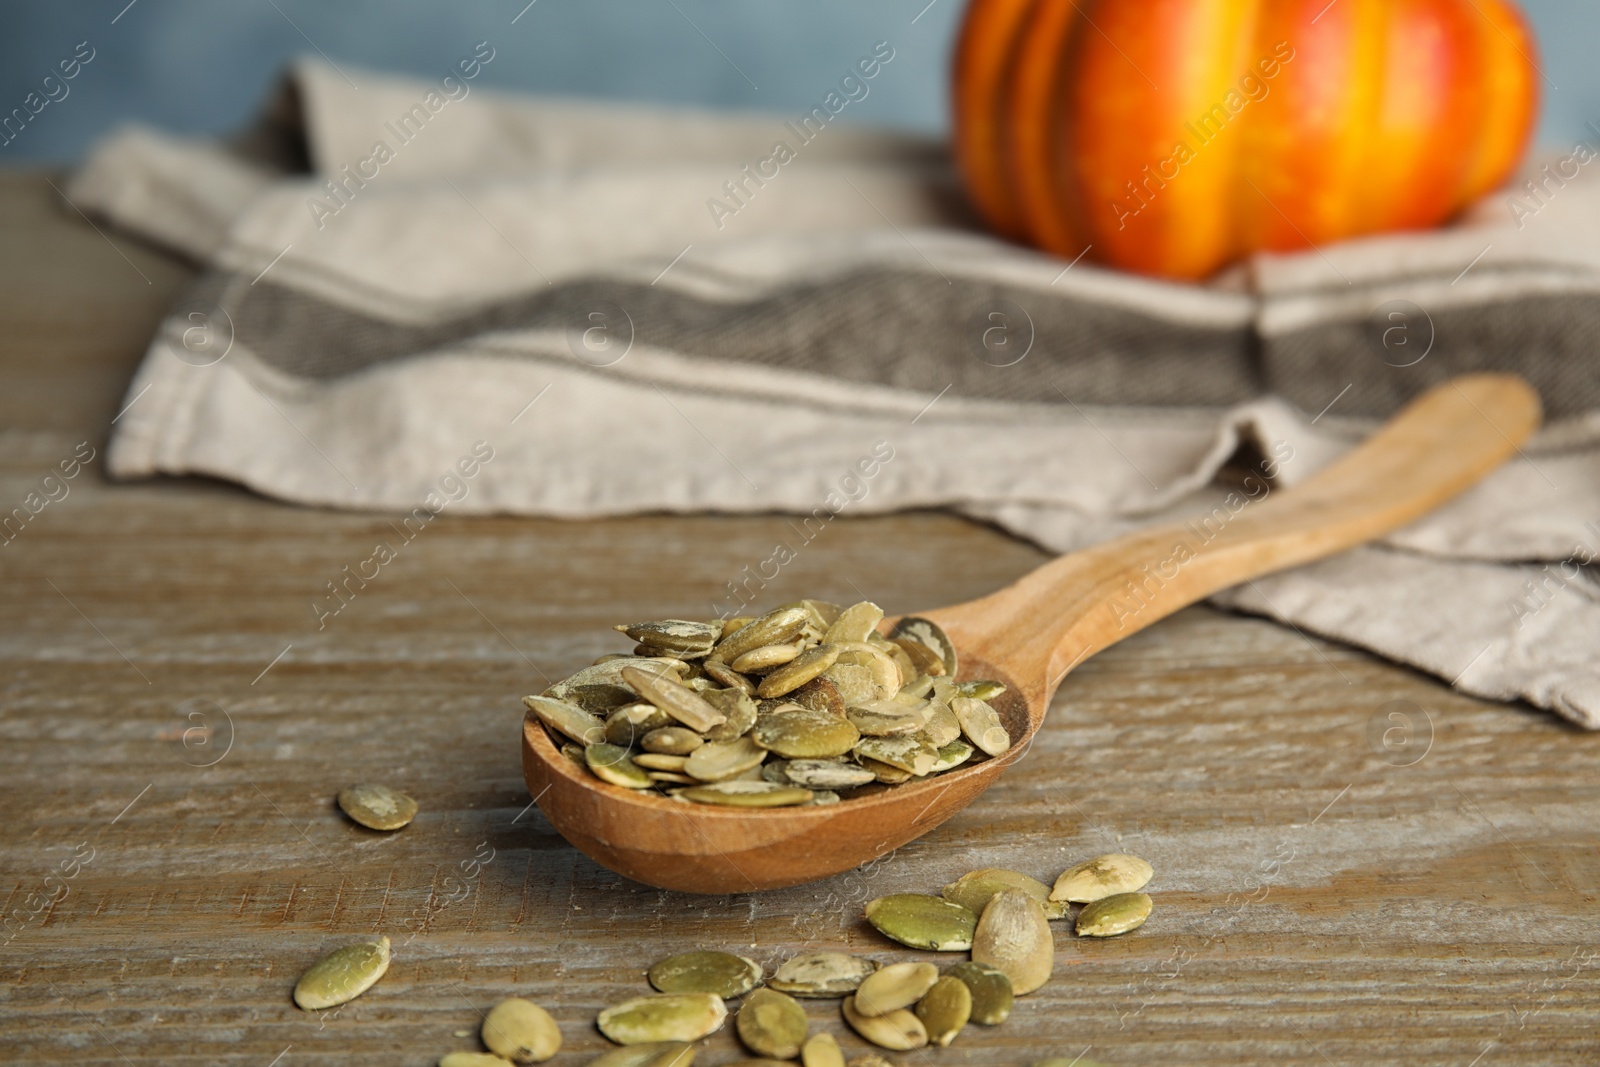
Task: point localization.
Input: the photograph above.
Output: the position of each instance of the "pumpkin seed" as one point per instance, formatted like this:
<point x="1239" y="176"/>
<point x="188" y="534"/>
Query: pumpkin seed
<point x="952" y="756"/>
<point x="675" y="635"/>
<point x="928" y="633"/>
<point x="521" y="1031"/>
<point x="574" y="753"/>
<point x="886" y="675"/>
<point x="472" y="1059"/>
<point x="981" y="689"/>
<point x="663" y="1017"/>
<point x="924" y="660"/>
<point x="738" y="707"/>
<point x="611" y="763"/>
<point x="772" y="1024"/>
<point x="825" y="974"/>
<point x="1101" y="877"/>
<point x="672" y="778"/>
<point x="886" y="719"/>
<point x="801" y="733"/>
<point x="821" y="1050"/>
<point x="627" y="725"/>
<point x="721" y="973"/>
<point x="981" y="725"/>
<point x="819" y="694"/>
<point x="671" y="741"/>
<point x="826" y="774"/>
<point x="650" y="1054"/>
<point x="763" y="659"/>
<point x="342" y="975"/>
<point x="898" y="1030"/>
<point x="658" y="761"/>
<point x="854" y="683"/>
<point x="920" y="921"/>
<point x="943" y="728"/>
<point x="774" y="628"/>
<point x="975" y="889"/>
<point x="1116" y="914"/>
<point x="819" y="797"/>
<point x="1014" y="936"/>
<point x="567" y="719"/>
<point x="376" y="806"/>
<point x="677" y="700"/>
<point x="871" y="1059"/>
<point x="882" y="771"/>
<point x="854" y="623"/>
<point x="747" y="795"/>
<point x="911" y="754"/>
<point x="607" y="677"/>
<point x="793" y="675"/>
<point x="944" y="1010"/>
<point x="721" y="760"/>
<point x="718" y="671"/>
<point x="990" y="989"/>
<point x="896" y="986"/>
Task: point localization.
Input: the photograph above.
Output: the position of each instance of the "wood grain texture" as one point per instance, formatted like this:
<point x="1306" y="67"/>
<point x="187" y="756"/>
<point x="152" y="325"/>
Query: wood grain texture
<point x="1316" y="901"/>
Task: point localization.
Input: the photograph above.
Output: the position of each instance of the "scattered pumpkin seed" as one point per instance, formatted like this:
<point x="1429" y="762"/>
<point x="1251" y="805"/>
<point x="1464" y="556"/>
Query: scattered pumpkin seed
<point x="944" y="1010"/>
<point x="1116" y="914"/>
<point x="721" y="973"/>
<point x="824" y="974"/>
<point x="650" y="1054"/>
<point x="567" y="719"/>
<point x="871" y="1059"/>
<point x="611" y="763"/>
<point x="974" y="889"/>
<point x="472" y="1059"/>
<point x="898" y="1030"/>
<point x="896" y="986"/>
<point x="747" y="795"/>
<point x="772" y="1024"/>
<point x="1014" y="936"/>
<point x="663" y="1017"/>
<point x="376" y="806"/>
<point x="821" y="1050"/>
<point x="920" y="921"/>
<point x="521" y="1031"/>
<point x="342" y="975"/>
<point x="1101" y="877"/>
<point x="990" y="989"/>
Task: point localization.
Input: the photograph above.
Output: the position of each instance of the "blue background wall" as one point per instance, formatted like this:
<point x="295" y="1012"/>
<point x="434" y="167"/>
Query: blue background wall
<point x="201" y="66"/>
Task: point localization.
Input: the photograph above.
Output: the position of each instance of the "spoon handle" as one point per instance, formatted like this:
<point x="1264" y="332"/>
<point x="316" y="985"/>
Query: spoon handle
<point x="1050" y="620"/>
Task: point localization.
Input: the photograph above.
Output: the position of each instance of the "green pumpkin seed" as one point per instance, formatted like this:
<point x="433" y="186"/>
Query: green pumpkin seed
<point x="871" y="1059"/>
<point x="610" y="763"/>
<point x="472" y="1059"/>
<point x="990" y="989"/>
<point x="763" y="659"/>
<point x="911" y="754"/>
<point x="896" y="986"/>
<point x="738" y="707"/>
<point x="819" y="694"/>
<point x="342" y="975"/>
<point x="919" y="921"/>
<point x="898" y="1030"/>
<point x="650" y="1054"/>
<point x="567" y="719"/>
<point x="376" y="806"/>
<point x="772" y="1024"/>
<point x="675" y="635"/>
<point x="657" y="761"/>
<point x="800" y="733"/>
<point x="885" y="718"/>
<point x="853" y="683"/>
<point x="627" y="725"/>
<point x="774" y="628"/>
<point x="981" y="689"/>
<point x="945" y="1010"/>
<point x="1113" y="915"/>
<point x="791" y="676"/>
<point x="671" y="741"/>
<point x="747" y="795"/>
<point x="574" y="753"/>
<point x="521" y="1031"/>
<point x="819" y="797"/>
<point x="826" y="774"/>
<point x="854" y="623"/>
<point x="975" y="889"/>
<point x="720" y="672"/>
<point x="1014" y="936"/>
<point x="672" y="778"/>
<point x="1101" y="877"/>
<point x="886" y="675"/>
<point x="981" y="725"/>
<point x="882" y="771"/>
<point x="664" y="1017"/>
<point x="825" y="974"/>
<point x="923" y="659"/>
<point x="952" y="756"/>
<point x="821" y="1050"/>
<point x="722" y="760"/>
<point x="943" y="728"/>
<point x="928" y="633"/>
<point x="677" y="700"/>
<point x="606" y="678"/>
<point x="721" y="973"/>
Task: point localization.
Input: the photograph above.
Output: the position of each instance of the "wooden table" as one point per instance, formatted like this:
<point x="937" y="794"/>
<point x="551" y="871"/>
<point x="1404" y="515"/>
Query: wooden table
<point x="175" y="729"/>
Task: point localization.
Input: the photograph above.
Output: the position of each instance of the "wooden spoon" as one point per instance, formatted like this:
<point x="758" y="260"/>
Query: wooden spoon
<point x="1030" y="634"/>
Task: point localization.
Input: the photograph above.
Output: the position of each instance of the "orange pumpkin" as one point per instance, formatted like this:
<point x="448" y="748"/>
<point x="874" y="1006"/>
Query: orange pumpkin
<point x="1172" y="137"/>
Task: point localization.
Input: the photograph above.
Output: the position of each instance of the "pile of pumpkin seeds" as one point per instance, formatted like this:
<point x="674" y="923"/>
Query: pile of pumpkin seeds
<point x="806" y="704"/>
<point x="1002" y="917"/>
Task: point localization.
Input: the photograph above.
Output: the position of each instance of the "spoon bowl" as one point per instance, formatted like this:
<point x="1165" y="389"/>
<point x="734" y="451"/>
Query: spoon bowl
<point x="1029" y="635"/>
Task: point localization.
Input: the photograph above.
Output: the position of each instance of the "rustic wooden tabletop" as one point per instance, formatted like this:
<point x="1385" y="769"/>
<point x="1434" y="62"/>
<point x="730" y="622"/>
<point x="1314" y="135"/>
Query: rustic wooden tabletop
<point x="1354" y="865"/>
